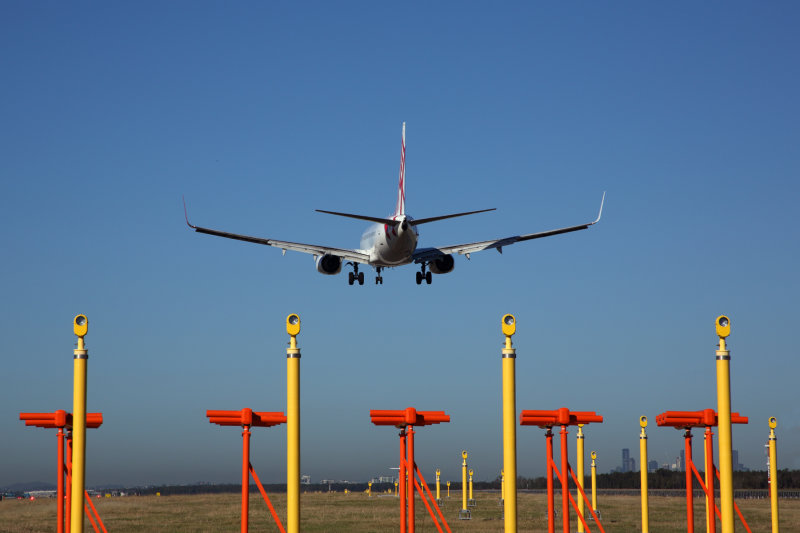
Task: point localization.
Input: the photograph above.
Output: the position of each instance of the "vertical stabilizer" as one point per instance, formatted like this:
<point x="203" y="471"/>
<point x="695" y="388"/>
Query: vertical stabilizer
<point x="401" y="188"/>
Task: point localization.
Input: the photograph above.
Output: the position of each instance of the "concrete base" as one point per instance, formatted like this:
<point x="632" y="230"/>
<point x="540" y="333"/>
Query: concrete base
<point x="464" y="514"/>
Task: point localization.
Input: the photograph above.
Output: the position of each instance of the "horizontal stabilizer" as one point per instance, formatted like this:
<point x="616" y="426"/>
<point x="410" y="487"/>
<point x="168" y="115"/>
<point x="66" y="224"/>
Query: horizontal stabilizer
<point x="434" y="219"/>
<point x="379" y="220"/>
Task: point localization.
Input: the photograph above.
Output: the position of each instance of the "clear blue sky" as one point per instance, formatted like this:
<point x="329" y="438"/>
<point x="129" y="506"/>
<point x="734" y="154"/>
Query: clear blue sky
<point x="260" y="113"/>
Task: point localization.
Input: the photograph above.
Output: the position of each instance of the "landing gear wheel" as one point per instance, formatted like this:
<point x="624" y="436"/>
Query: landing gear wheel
<point x="361" y="278"/>
<point x="419" y="278"/>
<point x="428" y="278"/>
<point x="350" y="278"/>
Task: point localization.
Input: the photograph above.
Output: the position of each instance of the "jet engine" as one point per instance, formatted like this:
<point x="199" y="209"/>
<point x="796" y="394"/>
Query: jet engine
<point x="442" y="265"/>
<point x="329" y="264"/>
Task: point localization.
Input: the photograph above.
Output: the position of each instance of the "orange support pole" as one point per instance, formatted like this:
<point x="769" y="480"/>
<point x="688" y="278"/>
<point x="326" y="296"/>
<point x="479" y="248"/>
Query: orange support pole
<point x="402" y="475"/>
<point x="551" y="499"/>
<point x="686" y="420"/>
<point x="430" y="496"/>
<point x="410" y="469"/>
<point x="62" y="421"/>
<point x="60" y="484"/>
<point x="96" y="514"/>
<point x="687" y="452"/>
<point x="266" y="499"/>
<point x="67" y="506"/>
<point x="405" y="420"/>
<point x="710" y="502"/>
<point x="547" y="419"/>
<point x="245" y="477"/>
<point x="565" y="480"/>
<point x="247" y="418"/>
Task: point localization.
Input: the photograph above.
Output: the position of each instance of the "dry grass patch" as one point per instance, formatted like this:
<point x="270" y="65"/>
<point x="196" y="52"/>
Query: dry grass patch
<point x="356" y="513"/>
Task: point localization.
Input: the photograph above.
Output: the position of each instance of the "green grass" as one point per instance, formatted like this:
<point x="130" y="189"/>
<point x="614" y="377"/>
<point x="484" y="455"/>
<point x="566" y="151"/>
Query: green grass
<point x="355" y="512"/>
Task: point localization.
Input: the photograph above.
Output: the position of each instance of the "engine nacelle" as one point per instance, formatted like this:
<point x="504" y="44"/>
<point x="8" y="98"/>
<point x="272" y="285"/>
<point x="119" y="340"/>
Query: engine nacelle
<point x="329" y="264"/>
<point x="442" y="265"/>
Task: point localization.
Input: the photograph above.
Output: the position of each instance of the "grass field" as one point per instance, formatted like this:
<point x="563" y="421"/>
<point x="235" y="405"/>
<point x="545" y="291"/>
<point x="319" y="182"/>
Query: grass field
<point x="359" y="514"/>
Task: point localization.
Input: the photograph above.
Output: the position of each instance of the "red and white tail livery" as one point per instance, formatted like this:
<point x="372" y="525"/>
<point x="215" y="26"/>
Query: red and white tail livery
<point x="401" y="187"/>
<point x="392" y="241"/>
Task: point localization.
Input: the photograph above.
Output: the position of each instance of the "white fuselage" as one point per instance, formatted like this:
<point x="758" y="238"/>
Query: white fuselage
<point x="389" y="246"/>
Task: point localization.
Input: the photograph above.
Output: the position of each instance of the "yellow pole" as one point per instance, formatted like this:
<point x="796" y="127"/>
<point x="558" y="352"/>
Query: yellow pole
<point x="725" y="441"/>
<point x="293" y="426"/>
<point x="438" y="494"/>
<point x="448" y="490"/>
<point x="773" y="472"/>
<point x="594" y="481"/>
<point x="395" y="489"/>
<point x="369" y="489"/>
<point x="643" y="474"/>
<point x="464" y="481"/>
<point x="502" y="485"/>
<point x="579" y="452"/>
<point x="470" y="486"/>
<point x="80" y="326"/>
<point x="509" y="355"/>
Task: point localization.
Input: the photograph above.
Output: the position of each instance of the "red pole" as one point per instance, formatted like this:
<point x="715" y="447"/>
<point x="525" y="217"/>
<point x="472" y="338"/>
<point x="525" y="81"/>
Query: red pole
<point x="687" y="437"/>
<point x="402" y="481"/>
<point x="410" y="470"/>
<point x="551" y="526"/>
<point x="245" y="477"/>
<point x="60" y="485"/>
<point x="710" y="501"/>
<point x="68" y="507"/>
<point x="564" y="479"/>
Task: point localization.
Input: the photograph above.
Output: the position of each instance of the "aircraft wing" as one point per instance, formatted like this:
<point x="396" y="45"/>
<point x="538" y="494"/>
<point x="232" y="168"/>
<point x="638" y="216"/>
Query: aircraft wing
<point x="428" y="254"/>
<point x="347" y="255"/>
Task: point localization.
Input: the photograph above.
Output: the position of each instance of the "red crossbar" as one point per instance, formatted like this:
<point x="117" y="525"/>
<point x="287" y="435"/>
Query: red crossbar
<point x="59" y="419"/>
<point x="558" y="417"/>
<point x="407" y="417"/>
<point x="695" y="419"/>
<point x="246" y="417"/>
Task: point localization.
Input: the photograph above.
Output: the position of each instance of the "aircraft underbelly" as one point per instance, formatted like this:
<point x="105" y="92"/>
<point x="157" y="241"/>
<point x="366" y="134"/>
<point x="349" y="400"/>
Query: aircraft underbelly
<point x="395" y="253"/>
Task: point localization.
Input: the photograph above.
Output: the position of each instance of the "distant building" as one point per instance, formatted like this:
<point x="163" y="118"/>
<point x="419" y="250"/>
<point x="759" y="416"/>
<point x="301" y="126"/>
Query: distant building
<point x="682" y="461"/>
<point x="305" y="479"/>
<point x="652" y="466"/>
<point x="628" y="462"/>
<point x="737" y="466"/>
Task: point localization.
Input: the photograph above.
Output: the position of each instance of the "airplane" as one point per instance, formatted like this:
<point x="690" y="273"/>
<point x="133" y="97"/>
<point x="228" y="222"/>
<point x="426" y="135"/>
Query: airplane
<point x="392" y="241"/>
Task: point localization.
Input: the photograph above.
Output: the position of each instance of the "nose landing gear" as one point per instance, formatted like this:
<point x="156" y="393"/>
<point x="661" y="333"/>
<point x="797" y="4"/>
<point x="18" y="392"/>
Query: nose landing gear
<point x="355" y="275"/>
<point x="378" y="277"/>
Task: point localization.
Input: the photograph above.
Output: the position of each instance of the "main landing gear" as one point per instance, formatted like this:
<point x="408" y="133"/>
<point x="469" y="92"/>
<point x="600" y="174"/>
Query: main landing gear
<point x="355" y="275"/>
<point x="424" y="275"/>
<point x="378" y="277"/>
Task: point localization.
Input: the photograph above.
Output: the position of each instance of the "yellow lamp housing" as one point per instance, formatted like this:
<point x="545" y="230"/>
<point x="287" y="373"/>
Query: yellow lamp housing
<point x="80" y="325"/>
<point x="643" y="421"/>
<point x="773" y="422"/>
<point x="464" y="454"/>
<point x="509" y="325"/>
<point x="723" y="326"/>
<point x="594" y="456"/>
<point x="293" y="324"/>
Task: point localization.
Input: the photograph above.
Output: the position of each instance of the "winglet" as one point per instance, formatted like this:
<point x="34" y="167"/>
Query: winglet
<point x="602" y="201"/>
<point x="186" y="214"/>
